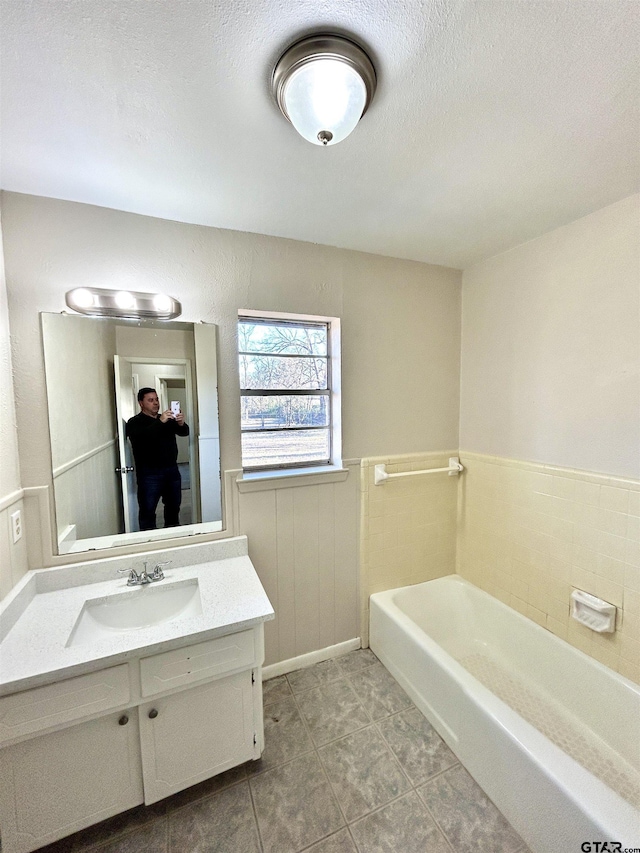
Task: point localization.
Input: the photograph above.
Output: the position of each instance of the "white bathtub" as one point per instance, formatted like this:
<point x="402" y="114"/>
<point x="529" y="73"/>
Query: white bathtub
<point x="432" y="636"/>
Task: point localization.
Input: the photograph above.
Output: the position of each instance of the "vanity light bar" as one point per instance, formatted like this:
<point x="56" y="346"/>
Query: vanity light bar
<point x="100" y="302"/>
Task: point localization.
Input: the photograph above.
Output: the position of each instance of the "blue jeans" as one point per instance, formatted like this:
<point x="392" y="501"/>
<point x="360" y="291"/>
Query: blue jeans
<point x="154" y="484"/>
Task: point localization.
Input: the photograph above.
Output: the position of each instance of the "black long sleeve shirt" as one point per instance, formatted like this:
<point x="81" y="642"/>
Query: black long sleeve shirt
<point x="153" y="442"/>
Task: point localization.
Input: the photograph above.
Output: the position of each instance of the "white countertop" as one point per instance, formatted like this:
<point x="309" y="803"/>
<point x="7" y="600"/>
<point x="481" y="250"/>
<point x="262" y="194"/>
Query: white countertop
<point x="33" y="651"/>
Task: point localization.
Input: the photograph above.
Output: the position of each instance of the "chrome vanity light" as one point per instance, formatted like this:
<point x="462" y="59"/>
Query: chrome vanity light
<point x="324" y="84"/>
<point x="100" y="302"/>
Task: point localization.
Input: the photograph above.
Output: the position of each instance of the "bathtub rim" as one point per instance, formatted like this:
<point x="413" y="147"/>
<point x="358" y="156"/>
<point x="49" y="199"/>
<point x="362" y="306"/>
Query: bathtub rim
<point x="560" y="767"/>
<point x="454" y="578"/>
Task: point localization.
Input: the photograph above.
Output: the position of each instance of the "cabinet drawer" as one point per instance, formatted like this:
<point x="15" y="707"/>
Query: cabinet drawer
<point x="195" y="663"/>
<point x="44" y="707"/>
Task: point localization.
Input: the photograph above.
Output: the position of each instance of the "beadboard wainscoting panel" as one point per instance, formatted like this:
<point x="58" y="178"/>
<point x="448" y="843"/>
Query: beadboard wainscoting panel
<point x="13" y="555"/>
<point x="326" y="559"/>
<point x="529" y="534"/>
<point x="285" y="606"/>
<point x="303" y="542"/>
<point x="100" y="508"/>
<point x="261" y="507"/>
<point x="346" y="509"/>
<point x="306" y="541"/>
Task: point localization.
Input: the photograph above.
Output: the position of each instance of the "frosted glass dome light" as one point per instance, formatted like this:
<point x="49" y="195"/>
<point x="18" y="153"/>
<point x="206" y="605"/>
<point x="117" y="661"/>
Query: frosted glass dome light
<point x="323" y="85"/>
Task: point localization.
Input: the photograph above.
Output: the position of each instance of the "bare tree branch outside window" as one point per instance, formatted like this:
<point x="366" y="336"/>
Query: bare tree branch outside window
<point x="285" y="393"/>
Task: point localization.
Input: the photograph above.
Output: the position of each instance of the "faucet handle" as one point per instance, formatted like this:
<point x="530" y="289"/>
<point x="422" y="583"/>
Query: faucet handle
<point x="158" y="574"/>
<point x="134" y="577"/>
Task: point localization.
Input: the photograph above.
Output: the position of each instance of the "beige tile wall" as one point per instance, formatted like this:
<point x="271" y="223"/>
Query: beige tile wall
<point x="407" y="526"/>
<point x="529" y="534"/>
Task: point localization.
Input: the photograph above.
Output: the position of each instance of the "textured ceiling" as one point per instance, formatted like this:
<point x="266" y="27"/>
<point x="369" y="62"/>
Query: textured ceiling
<point x="493" y="121"/>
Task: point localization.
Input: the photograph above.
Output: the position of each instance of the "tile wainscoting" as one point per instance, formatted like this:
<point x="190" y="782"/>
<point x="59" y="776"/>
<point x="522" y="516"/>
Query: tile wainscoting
<point x="407" y="526"/>
<point x="529" y="534"/>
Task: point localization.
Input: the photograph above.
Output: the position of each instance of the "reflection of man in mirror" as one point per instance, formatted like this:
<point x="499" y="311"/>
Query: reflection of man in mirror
<point x="155" y="451"/>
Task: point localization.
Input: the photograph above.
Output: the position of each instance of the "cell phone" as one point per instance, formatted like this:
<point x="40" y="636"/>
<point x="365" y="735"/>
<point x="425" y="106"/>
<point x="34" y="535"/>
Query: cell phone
<point x="175" y="407"/>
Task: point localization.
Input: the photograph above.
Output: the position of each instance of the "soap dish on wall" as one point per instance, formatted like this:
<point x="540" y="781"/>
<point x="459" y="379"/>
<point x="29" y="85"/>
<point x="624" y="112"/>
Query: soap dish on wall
<point x="593" y="612"/>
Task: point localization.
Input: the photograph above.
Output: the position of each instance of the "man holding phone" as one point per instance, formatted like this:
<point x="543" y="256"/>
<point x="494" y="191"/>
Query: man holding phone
<point x="155" y="451"/>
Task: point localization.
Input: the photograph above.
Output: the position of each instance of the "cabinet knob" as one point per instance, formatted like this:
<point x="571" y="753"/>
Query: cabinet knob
<point x="153" y="714"/>
<point x="123" y="720"/>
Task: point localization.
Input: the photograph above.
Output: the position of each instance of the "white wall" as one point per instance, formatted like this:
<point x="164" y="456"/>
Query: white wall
<point x="549" y="373"/>
<point x="400" y="319"/>
<point x="550" y="345"/>
<point x="550" y="428"/>
<point x="9" y="463"/>
<point x="13" y="557"/>
<point x="147" y="343"/>
<point x="401" y="344"/>
<point x="79" y="385"/>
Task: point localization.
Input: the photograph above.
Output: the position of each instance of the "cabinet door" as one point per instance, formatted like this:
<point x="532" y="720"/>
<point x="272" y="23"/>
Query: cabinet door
<point x="55" y="784"/>
<point x="189" y="736"/>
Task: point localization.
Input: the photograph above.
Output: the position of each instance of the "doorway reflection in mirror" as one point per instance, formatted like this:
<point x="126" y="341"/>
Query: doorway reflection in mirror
<point x="152" y="434"/>
<point x="96" y="367"/>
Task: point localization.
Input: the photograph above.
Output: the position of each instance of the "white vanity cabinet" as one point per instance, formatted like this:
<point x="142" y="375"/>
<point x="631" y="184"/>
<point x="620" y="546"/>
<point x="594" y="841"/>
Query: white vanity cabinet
<point x="197" y="733"/>
<point x="192" y="734"/>
<point x="85" y="748"/>
<point x="57" y="783"/>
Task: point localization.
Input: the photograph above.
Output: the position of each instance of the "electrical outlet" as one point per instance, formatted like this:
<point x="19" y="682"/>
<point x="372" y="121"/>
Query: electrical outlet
<point x="16" y="525"/>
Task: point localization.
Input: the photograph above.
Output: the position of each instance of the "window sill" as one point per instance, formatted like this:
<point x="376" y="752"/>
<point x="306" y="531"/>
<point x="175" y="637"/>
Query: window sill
<point x="261" y="481"/>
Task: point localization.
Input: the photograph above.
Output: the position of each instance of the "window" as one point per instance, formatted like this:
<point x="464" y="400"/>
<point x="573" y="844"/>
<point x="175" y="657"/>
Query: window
<point x="289" y="376"/>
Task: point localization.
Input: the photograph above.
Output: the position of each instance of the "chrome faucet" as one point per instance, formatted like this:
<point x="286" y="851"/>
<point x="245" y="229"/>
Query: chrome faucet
<point x="134" y="578"/>
<point x="139" y="579"/>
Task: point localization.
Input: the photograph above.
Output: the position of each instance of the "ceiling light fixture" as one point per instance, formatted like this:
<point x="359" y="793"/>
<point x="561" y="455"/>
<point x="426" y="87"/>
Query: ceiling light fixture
<point x="99" y="302"/>
<point x="323" y="85"/>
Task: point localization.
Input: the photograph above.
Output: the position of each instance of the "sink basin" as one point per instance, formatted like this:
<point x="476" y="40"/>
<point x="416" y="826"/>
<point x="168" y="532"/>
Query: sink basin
<point x="143" y="607"/>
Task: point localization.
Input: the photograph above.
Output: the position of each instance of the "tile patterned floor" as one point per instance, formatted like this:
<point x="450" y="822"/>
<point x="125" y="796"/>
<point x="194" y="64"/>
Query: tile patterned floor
<point x="350" y="766"/>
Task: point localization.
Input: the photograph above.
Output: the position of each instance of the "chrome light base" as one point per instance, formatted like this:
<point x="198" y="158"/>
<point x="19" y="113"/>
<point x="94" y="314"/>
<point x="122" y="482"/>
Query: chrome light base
<point x="324" y="46"/>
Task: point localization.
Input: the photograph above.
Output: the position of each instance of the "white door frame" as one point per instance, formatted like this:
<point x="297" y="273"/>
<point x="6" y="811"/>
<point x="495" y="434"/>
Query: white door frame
<point x="122" y="442"/>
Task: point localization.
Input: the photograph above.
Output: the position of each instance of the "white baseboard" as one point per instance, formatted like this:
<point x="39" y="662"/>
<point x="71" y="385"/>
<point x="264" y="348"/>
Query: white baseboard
<point x="309" y="659"/>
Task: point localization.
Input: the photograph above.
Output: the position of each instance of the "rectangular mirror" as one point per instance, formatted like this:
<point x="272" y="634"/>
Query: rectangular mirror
<point x="94" y="369"/>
